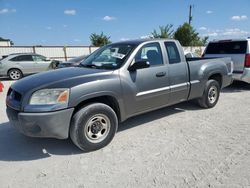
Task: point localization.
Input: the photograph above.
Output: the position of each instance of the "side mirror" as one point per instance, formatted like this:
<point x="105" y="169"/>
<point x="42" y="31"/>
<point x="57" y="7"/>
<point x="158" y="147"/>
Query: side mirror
<point x="139" y="65"/>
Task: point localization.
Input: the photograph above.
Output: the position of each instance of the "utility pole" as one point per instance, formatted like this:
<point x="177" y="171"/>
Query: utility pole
<point x="190" y="17"/>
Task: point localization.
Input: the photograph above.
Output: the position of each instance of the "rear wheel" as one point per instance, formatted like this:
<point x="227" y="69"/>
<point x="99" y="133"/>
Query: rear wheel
<point x="15" y="74"/>
<point x="93" y="126"/>
<point x="211" y="94"/>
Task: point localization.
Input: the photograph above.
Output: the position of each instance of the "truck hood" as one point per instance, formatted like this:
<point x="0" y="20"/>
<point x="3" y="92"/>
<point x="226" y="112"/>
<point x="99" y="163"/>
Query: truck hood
<point x="58" y="78"/>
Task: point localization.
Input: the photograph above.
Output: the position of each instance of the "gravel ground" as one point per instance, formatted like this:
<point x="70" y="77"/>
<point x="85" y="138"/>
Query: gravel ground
<point x="178" y="146"/>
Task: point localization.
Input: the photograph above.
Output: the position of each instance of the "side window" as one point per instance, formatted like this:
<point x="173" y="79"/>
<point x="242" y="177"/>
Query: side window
<point x="14" y="58"/>
<point x="151" y="53"/>
<point x="38" y="58"/>
<point x="173" y="53"/>
<point x="22" y="58"/>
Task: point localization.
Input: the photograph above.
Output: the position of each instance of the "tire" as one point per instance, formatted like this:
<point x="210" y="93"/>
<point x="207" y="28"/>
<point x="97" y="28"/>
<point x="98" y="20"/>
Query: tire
<point x="93" y="127"/>
<point x="210" y="95"/>
<point x="15" y="74"/>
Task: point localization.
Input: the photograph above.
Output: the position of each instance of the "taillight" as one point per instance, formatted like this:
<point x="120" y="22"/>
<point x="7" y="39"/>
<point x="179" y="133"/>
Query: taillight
<point x="247" y="60"/>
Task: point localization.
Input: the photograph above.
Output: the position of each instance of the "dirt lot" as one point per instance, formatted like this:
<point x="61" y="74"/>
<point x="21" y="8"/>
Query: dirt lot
<point x="178" y="146"/>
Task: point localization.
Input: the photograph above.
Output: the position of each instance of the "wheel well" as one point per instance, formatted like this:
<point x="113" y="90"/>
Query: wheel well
<point x="216" y="77"/>
<point x="108" y="100"/>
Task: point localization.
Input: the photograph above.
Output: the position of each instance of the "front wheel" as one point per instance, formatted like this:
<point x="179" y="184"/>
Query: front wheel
<point x="93" y="126"/>
<point x="210" y="95"/>
<point x="15" y="74"/>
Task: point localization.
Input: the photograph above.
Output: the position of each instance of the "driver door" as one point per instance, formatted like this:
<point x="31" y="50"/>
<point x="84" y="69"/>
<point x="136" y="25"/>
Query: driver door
<point x="149" y="86"/>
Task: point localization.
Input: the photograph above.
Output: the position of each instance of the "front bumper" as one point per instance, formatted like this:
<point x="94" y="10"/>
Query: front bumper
<point x="49" y="124"/>
<point x="245" y="76"/>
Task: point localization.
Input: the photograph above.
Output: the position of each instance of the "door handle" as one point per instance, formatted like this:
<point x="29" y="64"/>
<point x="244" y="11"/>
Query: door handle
<point x="160" y="74"/>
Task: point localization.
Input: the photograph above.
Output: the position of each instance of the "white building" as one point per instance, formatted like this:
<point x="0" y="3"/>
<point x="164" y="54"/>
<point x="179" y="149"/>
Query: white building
<point x="5" y="43"/>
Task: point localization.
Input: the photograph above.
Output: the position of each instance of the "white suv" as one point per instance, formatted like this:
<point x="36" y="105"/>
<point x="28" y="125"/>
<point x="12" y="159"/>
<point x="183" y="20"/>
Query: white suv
<point x="238" y="50"/>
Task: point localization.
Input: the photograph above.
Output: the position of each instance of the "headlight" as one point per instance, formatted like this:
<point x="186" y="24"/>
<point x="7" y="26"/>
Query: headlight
<point x="50" y="97"/>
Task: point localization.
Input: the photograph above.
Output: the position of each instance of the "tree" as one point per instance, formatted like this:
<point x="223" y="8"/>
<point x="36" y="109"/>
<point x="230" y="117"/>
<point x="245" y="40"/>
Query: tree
<point x="99" y="40"/>
<point x="204" y="41"/>
<point x="187" y="36"/>
<point x="165" y="32"/>
<point x="3" y="39"/>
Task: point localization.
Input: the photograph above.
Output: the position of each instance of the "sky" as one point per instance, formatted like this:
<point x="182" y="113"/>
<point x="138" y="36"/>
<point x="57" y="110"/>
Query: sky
<point x="71" y="22"/>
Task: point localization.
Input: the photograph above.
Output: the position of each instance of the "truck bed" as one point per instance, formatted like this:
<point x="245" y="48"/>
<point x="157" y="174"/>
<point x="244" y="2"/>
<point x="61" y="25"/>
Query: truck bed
<point x="199" y="67"/>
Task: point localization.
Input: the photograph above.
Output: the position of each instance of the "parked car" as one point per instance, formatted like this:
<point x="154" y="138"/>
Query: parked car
<point x="114" y="83"/>
<point x="74" y="62"/>
<point x="238" y="50"/>
<point x="15" y="66"/>
<point x="191" y="54"/>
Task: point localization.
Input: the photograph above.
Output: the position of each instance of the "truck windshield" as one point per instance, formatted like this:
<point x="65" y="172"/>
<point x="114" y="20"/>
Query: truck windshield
<point x="109" y="57"/>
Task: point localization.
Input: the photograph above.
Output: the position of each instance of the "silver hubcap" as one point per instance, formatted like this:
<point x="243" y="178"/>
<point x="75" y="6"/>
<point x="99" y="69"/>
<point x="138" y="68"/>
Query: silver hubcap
<point x="97" y="128"/>
<point x="212" y="94"/>
<point x="15" y="74"/>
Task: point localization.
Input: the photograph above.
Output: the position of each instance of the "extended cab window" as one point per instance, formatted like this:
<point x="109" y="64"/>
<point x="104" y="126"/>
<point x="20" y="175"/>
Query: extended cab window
<point x="227" y="47"/>
<point x="151" y="53"/>
<point x="173" y="53"/>
<point x="22" y="58"/>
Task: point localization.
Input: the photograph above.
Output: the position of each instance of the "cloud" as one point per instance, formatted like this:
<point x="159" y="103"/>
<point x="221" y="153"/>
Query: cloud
<point x="203" y="28"/>
<point x="146" y="37"/>
<point x="77" y="40"/>
<point x="48" y="28"/>
<point x="70" y="12"/>
<point x="64" y="25"/>
<point x="235" y="32"/>
<point x="239" y="18"/>
<point x="209" y="11"/>
<point x="227" y="33"/>
<point x="108" y="18"/>
<point x="6" y="11"/>
<point x="212" y="34"/>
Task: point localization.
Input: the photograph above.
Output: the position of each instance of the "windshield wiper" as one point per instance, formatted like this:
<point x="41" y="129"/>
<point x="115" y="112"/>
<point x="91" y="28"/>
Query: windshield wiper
<point x="89" y="66"/>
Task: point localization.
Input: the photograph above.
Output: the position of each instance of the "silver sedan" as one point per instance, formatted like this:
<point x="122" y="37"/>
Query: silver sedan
<point x="15" y="66"/>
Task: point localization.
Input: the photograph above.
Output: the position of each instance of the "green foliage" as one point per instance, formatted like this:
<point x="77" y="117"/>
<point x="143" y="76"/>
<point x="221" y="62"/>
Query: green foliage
<point x="187" y="36"/>
<point x="99" y="40"/>
<point x="165" y="32"/>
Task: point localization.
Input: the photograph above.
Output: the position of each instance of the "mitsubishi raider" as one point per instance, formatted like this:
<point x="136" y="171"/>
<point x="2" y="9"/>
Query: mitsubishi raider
<point x="116" y="82"/>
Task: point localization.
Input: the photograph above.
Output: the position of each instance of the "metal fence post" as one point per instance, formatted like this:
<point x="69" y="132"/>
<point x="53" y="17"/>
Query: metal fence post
<point x="65" y="53"/>
<point x="34" y="49"/>
<point x="89" y="49"/>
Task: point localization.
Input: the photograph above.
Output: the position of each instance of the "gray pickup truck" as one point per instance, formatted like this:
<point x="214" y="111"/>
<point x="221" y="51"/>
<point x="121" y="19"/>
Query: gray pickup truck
<point x="114" y="83"/>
